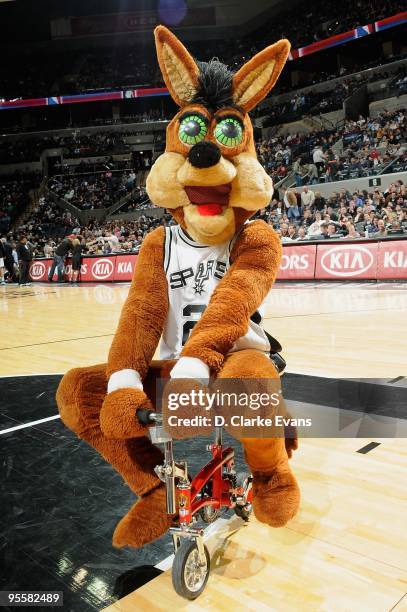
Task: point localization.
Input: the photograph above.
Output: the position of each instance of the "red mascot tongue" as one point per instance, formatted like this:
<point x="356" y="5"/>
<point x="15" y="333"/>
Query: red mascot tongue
<point x="209" y="200"/>
<point x="207" y="210"/>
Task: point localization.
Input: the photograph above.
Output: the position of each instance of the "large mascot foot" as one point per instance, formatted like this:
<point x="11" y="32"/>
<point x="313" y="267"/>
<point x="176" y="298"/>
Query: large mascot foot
<point x="276" y="497"/>
<point x="146" y="521"/>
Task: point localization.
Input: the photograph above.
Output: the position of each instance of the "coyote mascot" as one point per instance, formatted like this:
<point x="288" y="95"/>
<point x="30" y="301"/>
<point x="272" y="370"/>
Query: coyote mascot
<point x="197" y="285"/>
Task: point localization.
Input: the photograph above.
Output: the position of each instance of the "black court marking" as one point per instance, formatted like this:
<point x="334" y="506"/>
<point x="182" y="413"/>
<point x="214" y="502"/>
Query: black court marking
<point x="366" y="449"/>
<point x="397" y="379"/>
<point x="60" y="502"/>
<point x="10" y="348"/>
<point x="398" y="602"/>
<point x="368" y="396"/>
<point x="27" y="398"/>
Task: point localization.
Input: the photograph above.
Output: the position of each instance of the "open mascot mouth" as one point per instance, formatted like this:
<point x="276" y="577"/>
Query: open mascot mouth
<point x="210" y="201"/>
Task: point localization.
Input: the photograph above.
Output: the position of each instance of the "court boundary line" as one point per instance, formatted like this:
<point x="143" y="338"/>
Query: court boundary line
<point x="32" y="374"/>
<point x="398" y="602"/>
<point x="31" y="424"/>
<point x="10" y="348"/>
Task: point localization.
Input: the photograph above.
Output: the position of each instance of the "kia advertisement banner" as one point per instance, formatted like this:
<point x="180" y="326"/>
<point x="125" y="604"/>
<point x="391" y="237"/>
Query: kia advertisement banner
<point x="93" y="269"/>
<point x="39" y="269"/>
<point x="298" y="262"/>
<point x="340" y="261"/>
<point x="346" y="261"/>
<point x="392" y="260"/>
<point x="98" y="269"/>
<point x="124" y="267"/>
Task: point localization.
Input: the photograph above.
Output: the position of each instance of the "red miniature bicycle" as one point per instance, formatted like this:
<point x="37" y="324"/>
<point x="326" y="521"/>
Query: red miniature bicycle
<point x="216" y="487"/>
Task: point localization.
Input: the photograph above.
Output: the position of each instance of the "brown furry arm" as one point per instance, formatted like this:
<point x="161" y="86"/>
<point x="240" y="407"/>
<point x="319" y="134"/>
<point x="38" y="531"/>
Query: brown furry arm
<point x="144" y="312"/>
<point x="255" y="261"/>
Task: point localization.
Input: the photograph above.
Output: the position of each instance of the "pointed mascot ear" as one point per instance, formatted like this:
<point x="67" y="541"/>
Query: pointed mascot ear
<point x="258" y="76"/>
<point x="179" y="70"/>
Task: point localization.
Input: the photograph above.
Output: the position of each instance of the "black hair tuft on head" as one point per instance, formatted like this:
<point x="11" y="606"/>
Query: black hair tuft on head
<point x="215" y="85"/>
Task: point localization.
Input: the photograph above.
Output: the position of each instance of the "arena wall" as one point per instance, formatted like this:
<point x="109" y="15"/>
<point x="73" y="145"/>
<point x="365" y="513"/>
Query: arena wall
<point x="388" y="104"/>
<point x="381" y="181"/>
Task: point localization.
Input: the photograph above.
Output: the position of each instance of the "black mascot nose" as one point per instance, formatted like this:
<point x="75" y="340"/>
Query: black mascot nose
<point x="204" y="154"/>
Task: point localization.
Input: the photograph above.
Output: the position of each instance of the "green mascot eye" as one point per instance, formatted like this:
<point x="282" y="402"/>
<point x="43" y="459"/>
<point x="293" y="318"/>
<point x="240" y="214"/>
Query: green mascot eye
<point x="192" y="129"/>
<point x="229" y="132"/>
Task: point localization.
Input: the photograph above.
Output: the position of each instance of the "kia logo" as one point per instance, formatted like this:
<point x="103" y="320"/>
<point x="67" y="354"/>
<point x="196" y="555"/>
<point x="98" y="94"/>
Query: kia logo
<point x="102" y="268"/>
<point x="37" y="270"/>
<point x="346" y="261"/>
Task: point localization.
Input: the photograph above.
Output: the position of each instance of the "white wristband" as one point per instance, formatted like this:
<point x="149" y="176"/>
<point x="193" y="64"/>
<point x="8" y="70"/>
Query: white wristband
<point x="190" y="367"/>
<point x="124" y="379"/>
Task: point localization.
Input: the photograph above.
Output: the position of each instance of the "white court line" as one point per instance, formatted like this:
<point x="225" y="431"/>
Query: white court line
<point x="31" y="374"/>
<point x="52" y="418"/>
<point x="166" y="563"/>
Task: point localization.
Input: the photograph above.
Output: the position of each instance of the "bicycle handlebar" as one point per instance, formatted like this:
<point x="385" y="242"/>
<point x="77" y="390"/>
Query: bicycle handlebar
<point x="147" y="417"/>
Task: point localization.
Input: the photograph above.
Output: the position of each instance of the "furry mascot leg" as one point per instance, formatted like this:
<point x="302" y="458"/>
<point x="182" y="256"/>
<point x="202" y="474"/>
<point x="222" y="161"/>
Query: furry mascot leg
<point x="80" y="396"/>
<point x="276" y="495"/>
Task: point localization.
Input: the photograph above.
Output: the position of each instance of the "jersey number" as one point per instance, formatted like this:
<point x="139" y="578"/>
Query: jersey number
<point x="191" y="312"/>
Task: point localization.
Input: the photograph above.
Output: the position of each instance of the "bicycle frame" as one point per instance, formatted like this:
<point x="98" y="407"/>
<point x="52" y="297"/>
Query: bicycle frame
<point x="191" y="496"/>
<point x="189" y="501"/>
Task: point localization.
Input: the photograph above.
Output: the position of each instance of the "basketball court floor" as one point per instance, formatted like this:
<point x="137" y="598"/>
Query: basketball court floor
<point x="345" y="550"/>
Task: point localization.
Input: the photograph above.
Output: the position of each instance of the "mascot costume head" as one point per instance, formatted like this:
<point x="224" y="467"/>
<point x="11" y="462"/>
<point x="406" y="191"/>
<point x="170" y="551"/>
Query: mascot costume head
<point x="209" y="177"/>
<point x="197" y="290"/>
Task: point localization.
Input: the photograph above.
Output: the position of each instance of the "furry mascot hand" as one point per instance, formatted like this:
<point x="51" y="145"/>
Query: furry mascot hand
<point x="189" y="376"/>
<point x="118" y="417"/>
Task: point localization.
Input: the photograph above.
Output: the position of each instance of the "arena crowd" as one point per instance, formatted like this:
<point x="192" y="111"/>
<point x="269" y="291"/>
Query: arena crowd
<point x="296" y="216"/>
<point x="368" y="146"/>
<point x="89" y="70"/>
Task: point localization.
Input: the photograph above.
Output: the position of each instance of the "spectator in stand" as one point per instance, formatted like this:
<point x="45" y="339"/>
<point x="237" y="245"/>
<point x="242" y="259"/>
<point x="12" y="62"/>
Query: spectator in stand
<point x="59" y="259"/>
<point x="318" y="157"/>
<point x="2" y="264"/>
<point x="109" y="242"/>
<point x="315" y="228"/>
<point x="307" y="197"/>
<point x="284" y="233"/>
<point x="403" y="219"/>
<point x="352" y="234"/>
<point x="319" y="201"/>
<point x="8" y="259"/>
<point x="24" y="253"/>
<point x="291" y="204"/>
<point x="333" y="231"/>
<point x="15" y="261"/>
<point x="302" y="233"/>
<point x="395" y="229"/>
<point x="307" y="218"/>
<point x="381" y="230"/>
<point x="48" y="250"/>
<point x="323" y="232"/>
<point x="298" y="171"/>
<point x="312" y="174"/>
<point x="292" y="231"/>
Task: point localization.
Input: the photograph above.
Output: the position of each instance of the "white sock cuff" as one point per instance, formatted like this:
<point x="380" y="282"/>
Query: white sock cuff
<point x="190" y="367"/>
<point x="124" y="379"/>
